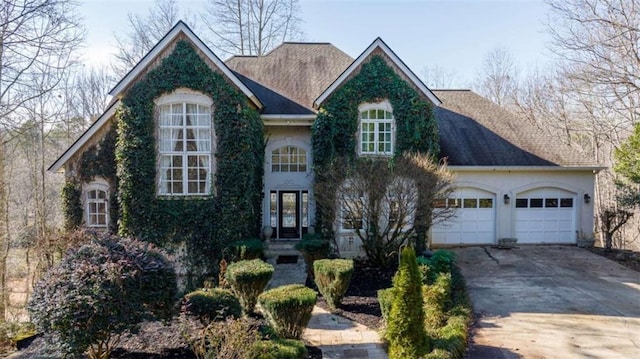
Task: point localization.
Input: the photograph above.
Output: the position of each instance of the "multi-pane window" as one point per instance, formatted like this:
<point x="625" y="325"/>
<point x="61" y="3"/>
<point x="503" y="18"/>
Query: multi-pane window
<point x="289" y="159"/>
<point x="352" y="211"/>
<point x="376" y="132"/>
<point x="552" y="202"/>
<point x="97" y="208"/>
<point x="185" y="149"/>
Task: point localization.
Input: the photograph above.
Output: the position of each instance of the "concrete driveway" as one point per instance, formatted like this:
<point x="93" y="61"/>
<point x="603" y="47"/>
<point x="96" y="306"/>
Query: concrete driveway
<point x="551" y="302"/>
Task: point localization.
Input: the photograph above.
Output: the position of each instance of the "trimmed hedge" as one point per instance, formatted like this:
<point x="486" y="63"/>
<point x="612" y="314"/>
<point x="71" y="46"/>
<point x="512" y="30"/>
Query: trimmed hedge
<point x="211" y="305"/>
<point x="247" y="249"/>
<point x="385" y="299"/>
<point x="279" y="349"/>
<point x="333" y="276"/>
<point x="442" y="261"/>
<point x="437" y="301"/>
<point x="248" y="279"/>
<point x="313" y="247"/>
<point x="288" y="309"/>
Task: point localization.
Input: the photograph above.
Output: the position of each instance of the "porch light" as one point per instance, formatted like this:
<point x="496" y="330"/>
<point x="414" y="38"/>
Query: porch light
<point x="587" y="198"/>
<point x="506" y="199"/>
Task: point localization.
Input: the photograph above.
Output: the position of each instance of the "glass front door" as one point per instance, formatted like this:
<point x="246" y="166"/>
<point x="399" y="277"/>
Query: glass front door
<point x="289" y="212"/>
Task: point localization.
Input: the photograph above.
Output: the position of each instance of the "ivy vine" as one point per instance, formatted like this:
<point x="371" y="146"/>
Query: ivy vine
<point x="205" y="223"/>
<point x="334" y="131"/>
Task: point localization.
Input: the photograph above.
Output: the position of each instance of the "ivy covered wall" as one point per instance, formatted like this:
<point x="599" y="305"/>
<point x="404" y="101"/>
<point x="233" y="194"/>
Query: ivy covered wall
<point x="127" y="159"/>
<point x="334" y="131"/>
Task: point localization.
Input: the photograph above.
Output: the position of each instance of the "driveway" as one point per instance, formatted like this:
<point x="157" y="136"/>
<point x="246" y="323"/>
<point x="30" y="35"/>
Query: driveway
<point x="551" y="302"/>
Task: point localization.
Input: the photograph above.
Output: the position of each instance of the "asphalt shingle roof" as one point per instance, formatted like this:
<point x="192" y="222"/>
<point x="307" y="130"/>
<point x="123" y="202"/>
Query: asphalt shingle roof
<point x="474" y="131"/>
<point x="297" y="71"/>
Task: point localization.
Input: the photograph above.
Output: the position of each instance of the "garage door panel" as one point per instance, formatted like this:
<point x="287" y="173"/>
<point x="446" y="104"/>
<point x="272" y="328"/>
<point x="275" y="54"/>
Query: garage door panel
<point x="554" y="222"/>
<point x="474" y="222"/>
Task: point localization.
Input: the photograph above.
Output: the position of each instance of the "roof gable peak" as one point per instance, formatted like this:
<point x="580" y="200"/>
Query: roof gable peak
<point x="378" y="43"/>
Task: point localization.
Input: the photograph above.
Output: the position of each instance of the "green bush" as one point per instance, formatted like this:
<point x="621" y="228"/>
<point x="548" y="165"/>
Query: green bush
<point x="333" y="276"/>
<point x="385" y="299"/>
<point x="442" y="261"/>
<point x="288" y="309"/>
<point x="451" y="339"/>
<point x="248" y="279"/>
<point x="98" y="291"/>
<point x="279" y="349"/>
<point x="313" y="247"/>
<point x="211" y="305"/>
<point x="247" y="249"/>
<point x="405" y="329"/>
<point x="437" y="300"/>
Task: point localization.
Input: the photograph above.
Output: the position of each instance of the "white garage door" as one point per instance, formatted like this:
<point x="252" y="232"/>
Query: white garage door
<point x="475" y="219"/>
<point x="546" y="216"/>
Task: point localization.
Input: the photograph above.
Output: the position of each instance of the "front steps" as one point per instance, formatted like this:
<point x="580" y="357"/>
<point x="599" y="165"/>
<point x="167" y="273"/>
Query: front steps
<point x="280" y="248"/>
<point x="288" y="263"/>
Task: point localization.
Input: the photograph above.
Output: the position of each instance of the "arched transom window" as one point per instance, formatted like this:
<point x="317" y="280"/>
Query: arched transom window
<point x="185" y="141"/>
<point x="376" y="129"/>
<point x="289" y="159"/>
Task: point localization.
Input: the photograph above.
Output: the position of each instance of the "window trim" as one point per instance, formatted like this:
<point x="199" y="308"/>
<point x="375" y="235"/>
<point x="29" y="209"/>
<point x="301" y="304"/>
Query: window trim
<point x="298" y="154"/>
<point x="185" y="97"/>
<point x="96" y="185"/>
<point x="384" y="105"/>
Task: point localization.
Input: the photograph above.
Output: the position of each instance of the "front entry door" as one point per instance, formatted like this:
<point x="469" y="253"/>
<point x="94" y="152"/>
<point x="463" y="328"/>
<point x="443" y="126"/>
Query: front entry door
<point x="289" y="216"/>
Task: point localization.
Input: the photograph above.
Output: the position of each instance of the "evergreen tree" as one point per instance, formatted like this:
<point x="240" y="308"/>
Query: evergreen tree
<point x="628" y="166"/>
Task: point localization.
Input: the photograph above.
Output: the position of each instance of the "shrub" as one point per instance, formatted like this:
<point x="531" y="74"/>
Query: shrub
<point x="405" y="329"/>
<point x="247" y="249"/>
<point x="288" y="309"/>
<point x="100" y="290"/>
<point x="442" y="261"/>
<point x="332" y="276"/>
<point x="248" y="279"/>
<point x="437" y="300"/>
<point x="313" y="247"/>
<point x="385" y="299"/>
<point x="279" y="349"/>
<point x="211" y="305"/>
<point x="231" y="338"/>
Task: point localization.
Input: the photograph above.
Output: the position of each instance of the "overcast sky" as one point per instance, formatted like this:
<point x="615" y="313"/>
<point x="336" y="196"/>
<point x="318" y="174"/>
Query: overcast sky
<point x="455" y="35"/>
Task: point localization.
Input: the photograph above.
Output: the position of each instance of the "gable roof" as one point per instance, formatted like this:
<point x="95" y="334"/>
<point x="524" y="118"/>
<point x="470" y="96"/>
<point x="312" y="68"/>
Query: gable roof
<point x="474" y="131"/>
<point x="170" y="37"/>
<point x="381" y="45"/>
<point x="298" y="71"/>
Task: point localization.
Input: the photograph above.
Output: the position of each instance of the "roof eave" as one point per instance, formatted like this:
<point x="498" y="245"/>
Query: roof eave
<point x="58" y="165"/>
<point x="181" y="27"/>
<point x="378" y="43"/>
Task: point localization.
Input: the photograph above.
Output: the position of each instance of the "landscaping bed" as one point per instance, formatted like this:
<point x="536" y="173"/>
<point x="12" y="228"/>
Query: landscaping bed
<point x="625" y="257"/>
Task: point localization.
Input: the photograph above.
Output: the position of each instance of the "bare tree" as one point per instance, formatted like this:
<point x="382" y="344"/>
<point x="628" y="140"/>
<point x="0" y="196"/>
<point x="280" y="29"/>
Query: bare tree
<point x="384" y="204"/>
<point x="437" y="77"/>
<point x="143" y="34"/>
<point x="251" y="27"/>
<point x="36" y="37"/>
<point x="498" y="79"/>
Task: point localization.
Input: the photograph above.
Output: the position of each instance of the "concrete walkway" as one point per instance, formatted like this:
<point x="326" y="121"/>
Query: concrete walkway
<point x="337" y="337"/>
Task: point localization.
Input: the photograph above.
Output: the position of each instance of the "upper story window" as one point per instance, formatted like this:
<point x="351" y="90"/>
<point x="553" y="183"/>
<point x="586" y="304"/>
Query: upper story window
<point x="96" y="199"/>
<point x="289" y="159"/>
<point x="377" y="126"/>
<point x="185" y="144"/>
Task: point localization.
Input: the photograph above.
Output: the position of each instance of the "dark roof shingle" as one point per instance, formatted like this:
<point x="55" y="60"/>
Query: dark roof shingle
<point x="474" y="131"/>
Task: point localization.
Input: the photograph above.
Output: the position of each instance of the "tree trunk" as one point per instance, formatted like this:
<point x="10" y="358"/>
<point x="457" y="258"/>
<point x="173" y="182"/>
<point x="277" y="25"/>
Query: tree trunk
<point x="4" y="239"/>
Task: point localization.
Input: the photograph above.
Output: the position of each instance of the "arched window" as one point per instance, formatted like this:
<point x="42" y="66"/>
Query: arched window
<point x="96" y="198"/>
<point x="185" y="144"/>
<point x="289" y="159"/>
<point x="376" y="124"/>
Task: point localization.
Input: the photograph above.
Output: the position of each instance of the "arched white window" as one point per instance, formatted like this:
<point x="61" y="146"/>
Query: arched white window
<point x="184" y="143"/>
<point x="377" y="126"/>
<point x="96" y="200"/>
<point x="289" y="159"/>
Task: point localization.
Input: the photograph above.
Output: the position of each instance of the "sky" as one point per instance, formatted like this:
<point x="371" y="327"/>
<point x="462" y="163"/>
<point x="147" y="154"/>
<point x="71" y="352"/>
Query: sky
<point x="454" y="35"/>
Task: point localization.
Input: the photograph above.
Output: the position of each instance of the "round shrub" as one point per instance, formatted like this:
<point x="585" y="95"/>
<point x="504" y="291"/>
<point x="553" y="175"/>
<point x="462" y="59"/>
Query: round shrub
<point x="248" y="279"/>
<point x="333" y="276"/>
<point x="98" y="291"/>
<point x="279" y="349"/>
<point x="211" y="305"/>
<point x="288" y="309"/>
<point x="313" y="247"/>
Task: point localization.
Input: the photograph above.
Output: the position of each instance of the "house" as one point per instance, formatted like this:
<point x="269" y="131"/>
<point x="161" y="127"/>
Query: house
<point x="213" y="149"/>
